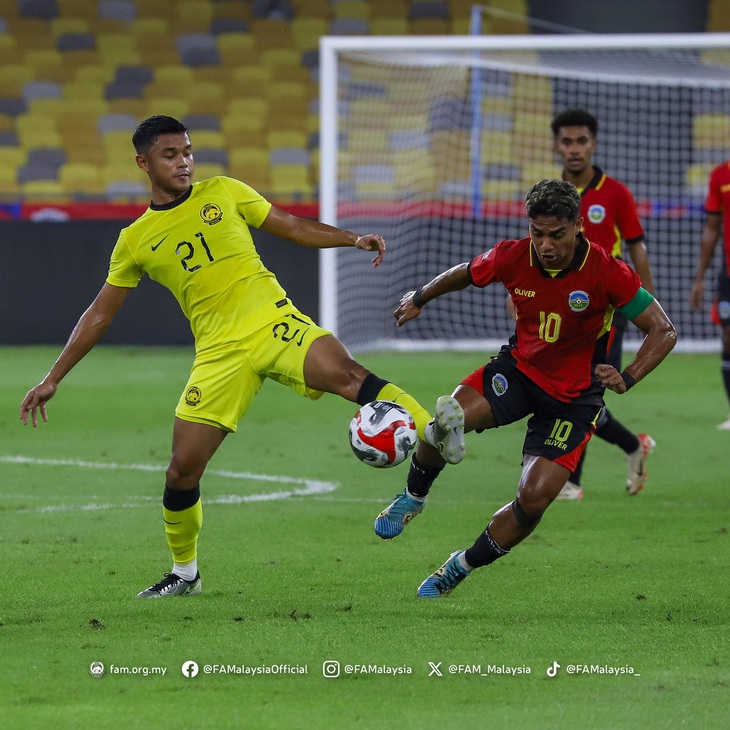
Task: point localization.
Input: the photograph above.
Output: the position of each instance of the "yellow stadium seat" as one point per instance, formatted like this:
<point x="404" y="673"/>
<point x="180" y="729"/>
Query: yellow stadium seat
<point x="94" y="74"/>
<point x="351" y="9"/>
<point x="501" y="190"/>
<point x="288" y="90"/>
<point x="43" y="191"/>
<point x="697" y="177"/>
<point x="16" y="75"/>
<point x="390" y="26"/>
<point x="280" y="57"/>
<point x="534" y="173"/>
<point x="307" y="31"/>
<point x="204" y="170"/>
<point x="193" y="15"/>
<point x="174" y="75"/>
<point x="291" y="182"/>
<point x="81" y="177"/>
<point x="248" y="81"/>
<point x="7" y="124"/>
<point x="286" y="138"/>
<point x="233" y="9"/>
<point x="136" y="107"/>
<point x="37" y="131"/>
<point x="45" y="107"/>
<point x="710" y="131"/>
<point x="157" y="9"/>
<point x="82" y="107"/>
<point x="252" y="121"/>
<point x="77" y="9"/>
<point x="496" y="148"/>
<point x="170" y="106"/>
<point x="312" y="8"/>
<point x="270" y="33"/>
<point x="83" y="90"/>
<point x="430" y="26"/>
<point x="14" y="157"/>
<point x="388" y="9"/>
<point x="248" y="155"/>
<point x="69" y="24"/>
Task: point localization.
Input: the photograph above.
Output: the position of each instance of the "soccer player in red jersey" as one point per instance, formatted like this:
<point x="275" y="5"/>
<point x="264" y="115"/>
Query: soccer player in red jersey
<point x="609" y="218"/>
<point x="716" y="204"/>
<point x="554" y="370"/>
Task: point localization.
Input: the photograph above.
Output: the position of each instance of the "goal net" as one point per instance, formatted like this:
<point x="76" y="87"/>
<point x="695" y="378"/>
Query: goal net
<point x="434" y="141"/>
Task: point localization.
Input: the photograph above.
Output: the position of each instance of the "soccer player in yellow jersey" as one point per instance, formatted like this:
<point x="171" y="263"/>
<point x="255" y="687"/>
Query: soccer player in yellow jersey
<point x="195" y="240"/>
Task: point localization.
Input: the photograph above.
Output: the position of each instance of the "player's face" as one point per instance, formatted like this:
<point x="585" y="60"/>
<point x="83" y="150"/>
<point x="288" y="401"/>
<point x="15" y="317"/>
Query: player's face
<point x="554" y="240"/>
<point x="575" y="147"/>
<point x="169" y="163"/>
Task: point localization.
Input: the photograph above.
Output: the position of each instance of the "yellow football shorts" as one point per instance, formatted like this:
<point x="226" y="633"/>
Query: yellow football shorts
<point x="225" y="379"/>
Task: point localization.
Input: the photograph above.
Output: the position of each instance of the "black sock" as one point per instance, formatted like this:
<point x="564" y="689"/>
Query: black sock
<point x="484" y="551"/>
<point x="420" y="478"/>
<point x="611" y="430"/>
<point x="725" y="365"/>
<point x="176" y="500"/>
<point x="371" y="386"/>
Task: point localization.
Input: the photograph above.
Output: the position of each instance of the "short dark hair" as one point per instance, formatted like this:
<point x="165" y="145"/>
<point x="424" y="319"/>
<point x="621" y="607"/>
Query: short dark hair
<point x="151" y="128"/>
<point x="556" y="198"/>
<point x="574" y="118"/>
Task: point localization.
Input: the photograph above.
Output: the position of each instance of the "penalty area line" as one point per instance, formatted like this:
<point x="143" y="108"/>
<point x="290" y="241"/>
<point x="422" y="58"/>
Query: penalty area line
<point x="307" y="488"/>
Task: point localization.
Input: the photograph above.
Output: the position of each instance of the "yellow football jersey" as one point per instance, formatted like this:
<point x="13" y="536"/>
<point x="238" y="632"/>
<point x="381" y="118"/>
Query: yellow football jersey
<point x="200" y="248"/>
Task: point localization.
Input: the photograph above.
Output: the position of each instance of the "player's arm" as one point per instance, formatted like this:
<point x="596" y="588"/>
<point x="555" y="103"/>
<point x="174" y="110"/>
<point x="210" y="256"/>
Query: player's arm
<point x="314" y="234"/>
<point x="640" y="260"/>
<point x="90" y="328"/>
<point x="660" y="338"/>
<point x="412" y="302"/>
<point x="710" y="236"/>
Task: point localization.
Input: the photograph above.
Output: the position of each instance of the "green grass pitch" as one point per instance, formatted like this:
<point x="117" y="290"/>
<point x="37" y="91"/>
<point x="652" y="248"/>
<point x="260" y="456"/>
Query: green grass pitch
<point x="613" y="581"/>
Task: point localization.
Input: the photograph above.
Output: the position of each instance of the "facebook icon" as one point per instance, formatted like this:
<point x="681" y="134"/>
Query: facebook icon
<point x="190" y="669"/>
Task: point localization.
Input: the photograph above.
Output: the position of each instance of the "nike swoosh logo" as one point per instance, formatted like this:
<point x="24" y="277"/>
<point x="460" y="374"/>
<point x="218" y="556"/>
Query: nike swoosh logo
<point x="154" y="248"/>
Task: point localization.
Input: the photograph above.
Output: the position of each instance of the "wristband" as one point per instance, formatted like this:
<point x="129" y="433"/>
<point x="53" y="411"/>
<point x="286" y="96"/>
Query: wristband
<point x="629" y="380"/>
<point x="417" y="298"/>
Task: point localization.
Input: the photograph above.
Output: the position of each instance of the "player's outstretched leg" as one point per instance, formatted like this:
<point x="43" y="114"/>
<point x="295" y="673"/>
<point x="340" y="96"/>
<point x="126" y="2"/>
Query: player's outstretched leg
<point x="172" y="585"/>
<point x="636" y="464"/>
<point x="446" y="578"/>
<point x="446" y="431"/>
<point x="401" y="510"/>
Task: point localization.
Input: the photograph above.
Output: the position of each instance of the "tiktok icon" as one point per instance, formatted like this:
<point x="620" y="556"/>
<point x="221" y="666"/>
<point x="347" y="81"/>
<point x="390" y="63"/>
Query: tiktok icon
<point x="552" y="671"/>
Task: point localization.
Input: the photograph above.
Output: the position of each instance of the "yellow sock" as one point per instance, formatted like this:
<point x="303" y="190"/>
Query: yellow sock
<point x="182" y="529"/>
<point x="420" y="415"/>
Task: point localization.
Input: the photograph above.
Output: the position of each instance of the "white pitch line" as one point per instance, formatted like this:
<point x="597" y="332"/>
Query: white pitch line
<point x="309" y="487"/>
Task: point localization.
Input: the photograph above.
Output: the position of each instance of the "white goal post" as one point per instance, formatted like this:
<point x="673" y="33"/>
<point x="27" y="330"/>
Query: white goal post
<point x="433" y="142"/>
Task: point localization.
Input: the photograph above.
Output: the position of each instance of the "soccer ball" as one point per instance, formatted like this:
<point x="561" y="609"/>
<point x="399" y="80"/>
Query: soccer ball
<point x="382" y="434"/>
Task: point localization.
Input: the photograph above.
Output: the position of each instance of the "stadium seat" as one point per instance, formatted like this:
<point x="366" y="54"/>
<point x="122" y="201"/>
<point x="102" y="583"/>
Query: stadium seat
<point x="127" y="190"/>
<point x="389" y="26"/>
<point x="277" y="9"/>
<point x="349" y="26"/>
<point x="46" y="9"/>
<point x="198" y="49"/>
<point x="232" y="9"/>
<point x="42" y="191"/>
<point x="124" y="10"/>
<point x="351" y="9"/>
<point x="81" y="177"/>
<point x="710" y="131"/>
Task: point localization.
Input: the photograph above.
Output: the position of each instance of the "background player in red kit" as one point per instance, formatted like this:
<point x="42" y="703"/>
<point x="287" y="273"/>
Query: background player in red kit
<point x="609" y="218"/>
<point x="716" y="207"/>
<point x="553" y="370"/>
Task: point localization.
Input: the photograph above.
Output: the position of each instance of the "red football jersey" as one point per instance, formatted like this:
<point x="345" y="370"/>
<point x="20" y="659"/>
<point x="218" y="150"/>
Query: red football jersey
<point x="609" y="213"/>
<point x="718" y="200"/>
<point x="561" y="320"/>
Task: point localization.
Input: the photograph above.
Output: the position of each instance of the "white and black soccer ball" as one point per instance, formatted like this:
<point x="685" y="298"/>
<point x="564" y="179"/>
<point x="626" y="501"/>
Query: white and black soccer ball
<point x="382" y="434"/>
